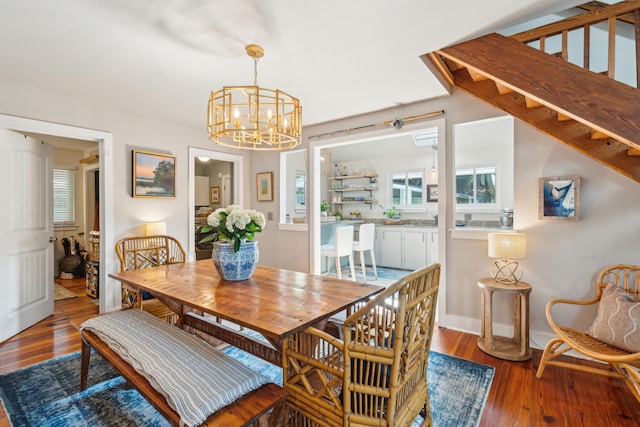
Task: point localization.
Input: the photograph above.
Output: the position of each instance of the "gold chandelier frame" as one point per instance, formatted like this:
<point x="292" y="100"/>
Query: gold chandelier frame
<point x="254" y="118"/>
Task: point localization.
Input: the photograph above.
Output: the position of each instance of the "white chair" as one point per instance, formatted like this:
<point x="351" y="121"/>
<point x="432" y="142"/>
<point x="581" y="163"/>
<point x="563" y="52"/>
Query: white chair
<point x="342" y="246"/>
<point x="366" y="242"/>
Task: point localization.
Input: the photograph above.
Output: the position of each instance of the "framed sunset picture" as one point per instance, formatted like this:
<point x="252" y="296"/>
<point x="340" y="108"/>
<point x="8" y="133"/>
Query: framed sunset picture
<point x="154" y="175"/>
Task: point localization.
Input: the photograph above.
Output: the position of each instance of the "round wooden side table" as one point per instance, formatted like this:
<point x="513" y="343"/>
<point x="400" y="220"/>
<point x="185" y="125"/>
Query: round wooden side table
<point x="517" y="347"/>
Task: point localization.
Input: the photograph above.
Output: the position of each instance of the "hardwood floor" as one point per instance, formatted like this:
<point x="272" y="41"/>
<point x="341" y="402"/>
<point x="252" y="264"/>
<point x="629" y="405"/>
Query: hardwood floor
<point x="561" y="398"/>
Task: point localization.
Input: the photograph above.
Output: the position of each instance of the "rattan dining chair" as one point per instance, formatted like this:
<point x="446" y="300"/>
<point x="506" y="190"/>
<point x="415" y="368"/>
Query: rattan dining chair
<point x="139" y="252"/>
<point x="623" y="299"/>
<point x="377" y="376"/>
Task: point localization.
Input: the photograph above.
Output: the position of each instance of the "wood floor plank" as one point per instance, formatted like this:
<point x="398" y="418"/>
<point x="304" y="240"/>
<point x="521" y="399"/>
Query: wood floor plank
<point x="517" y="398"/>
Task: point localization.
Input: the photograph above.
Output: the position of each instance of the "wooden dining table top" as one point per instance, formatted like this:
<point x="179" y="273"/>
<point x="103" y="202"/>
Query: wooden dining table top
<point x="273" y="302"/>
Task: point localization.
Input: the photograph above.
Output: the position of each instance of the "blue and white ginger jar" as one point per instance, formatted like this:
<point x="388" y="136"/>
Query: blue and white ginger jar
<point x="232" y="265"/>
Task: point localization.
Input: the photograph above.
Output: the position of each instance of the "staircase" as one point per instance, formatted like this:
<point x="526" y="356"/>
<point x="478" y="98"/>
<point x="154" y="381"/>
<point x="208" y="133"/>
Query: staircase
<point x="589" y="111"/>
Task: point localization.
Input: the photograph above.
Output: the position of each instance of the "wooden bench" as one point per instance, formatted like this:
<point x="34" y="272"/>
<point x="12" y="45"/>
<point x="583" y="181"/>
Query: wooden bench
<point x="260" y="407"/>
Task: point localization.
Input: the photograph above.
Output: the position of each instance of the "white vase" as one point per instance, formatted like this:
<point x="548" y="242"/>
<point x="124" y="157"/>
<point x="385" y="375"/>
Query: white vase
<point x="232" y="265"/>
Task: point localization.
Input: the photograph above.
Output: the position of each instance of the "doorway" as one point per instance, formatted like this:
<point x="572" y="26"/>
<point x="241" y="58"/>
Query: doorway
<point x="234" y="185"/>
<point x="109" y="301"/>
<point x="433" y="159"/>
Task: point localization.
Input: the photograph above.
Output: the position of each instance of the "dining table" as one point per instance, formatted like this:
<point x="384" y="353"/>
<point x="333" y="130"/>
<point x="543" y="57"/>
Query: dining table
<point x="273" y="303"/>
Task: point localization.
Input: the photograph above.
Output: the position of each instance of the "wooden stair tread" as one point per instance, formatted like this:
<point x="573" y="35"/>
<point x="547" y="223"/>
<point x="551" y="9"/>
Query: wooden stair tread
<point x="563" y="87"/>
<point x="613" y="154"/>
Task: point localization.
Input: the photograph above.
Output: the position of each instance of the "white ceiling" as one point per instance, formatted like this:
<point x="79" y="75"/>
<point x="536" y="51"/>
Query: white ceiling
<point x="162" y="58"/>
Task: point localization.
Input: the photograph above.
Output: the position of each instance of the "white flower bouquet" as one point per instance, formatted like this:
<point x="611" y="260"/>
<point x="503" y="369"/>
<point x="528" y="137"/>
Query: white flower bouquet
<point x="235" y="224"/>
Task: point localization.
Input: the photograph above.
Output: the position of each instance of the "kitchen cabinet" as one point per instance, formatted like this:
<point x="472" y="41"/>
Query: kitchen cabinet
<point x="414" y="249"/>
<point x="202" y="191"/>
<point x="407" y="248"/>
<point x="432" y="247"/>
<point x="388" y="250"/>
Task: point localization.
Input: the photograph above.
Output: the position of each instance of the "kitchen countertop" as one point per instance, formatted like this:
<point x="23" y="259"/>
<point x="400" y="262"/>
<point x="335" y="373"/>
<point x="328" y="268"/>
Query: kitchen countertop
<point x="379" y="223"/>
<point x="342" y="222"/>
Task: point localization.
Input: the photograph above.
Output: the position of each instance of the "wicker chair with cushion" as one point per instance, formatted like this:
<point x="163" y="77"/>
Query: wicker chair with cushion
<point x="135" y="253"/>
<point x="378" y="374"/>
<point x="614" y="336"/>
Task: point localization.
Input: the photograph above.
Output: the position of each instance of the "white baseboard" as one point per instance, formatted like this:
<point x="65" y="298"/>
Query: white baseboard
<point x="537" y="339"/>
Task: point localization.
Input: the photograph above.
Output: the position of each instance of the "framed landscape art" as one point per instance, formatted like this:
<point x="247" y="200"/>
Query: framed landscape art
<point x="154" y="175"/>
<point x="264" y="186"/>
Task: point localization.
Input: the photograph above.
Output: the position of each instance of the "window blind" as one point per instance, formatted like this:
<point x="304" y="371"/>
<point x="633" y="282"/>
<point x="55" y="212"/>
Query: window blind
<point x="64" y="196"/>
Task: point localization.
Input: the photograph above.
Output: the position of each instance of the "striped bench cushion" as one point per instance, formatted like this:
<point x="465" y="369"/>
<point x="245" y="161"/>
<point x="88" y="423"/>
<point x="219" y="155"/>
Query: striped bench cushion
<point x="195" y="378"/>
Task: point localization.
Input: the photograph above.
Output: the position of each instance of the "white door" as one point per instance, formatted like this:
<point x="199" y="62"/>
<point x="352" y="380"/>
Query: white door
<point x="26" y="225"/>
<point x="226" y="190"/>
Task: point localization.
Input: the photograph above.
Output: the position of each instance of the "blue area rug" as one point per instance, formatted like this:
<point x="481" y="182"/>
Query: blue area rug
<point x="458" y="388"/>
<point x="47" y="394"/>
<point x="383" y="272"/>
<point x="386" y="276"/>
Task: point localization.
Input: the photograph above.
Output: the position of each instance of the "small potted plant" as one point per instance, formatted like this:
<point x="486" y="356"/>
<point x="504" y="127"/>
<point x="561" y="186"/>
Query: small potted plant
<point x="393" y="216"/>
<point x="324" y="207"/>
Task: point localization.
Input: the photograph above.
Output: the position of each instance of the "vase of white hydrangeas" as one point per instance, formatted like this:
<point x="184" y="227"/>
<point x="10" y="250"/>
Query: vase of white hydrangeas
<point x="235" y="254"/>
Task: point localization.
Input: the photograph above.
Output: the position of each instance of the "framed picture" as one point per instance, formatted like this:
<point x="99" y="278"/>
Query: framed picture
<point x="432" y="193"/>
<point x="215" y="195"/>
<point x="264" y="186"/>
<point x="559" y="198"/>
<point x="154" y="175"/>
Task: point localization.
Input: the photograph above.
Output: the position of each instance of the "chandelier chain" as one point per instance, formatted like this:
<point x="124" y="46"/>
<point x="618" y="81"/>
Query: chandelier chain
<point x="255" y="71"/>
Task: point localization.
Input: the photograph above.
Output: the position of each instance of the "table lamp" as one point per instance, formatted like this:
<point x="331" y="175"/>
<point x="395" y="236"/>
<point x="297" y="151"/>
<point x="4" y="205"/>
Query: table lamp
<point x="506" y="247"/>
<point x="158" y="228"/>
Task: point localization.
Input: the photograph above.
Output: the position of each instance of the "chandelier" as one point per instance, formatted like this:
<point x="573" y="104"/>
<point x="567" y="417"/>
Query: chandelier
<point x="252" y="117"/>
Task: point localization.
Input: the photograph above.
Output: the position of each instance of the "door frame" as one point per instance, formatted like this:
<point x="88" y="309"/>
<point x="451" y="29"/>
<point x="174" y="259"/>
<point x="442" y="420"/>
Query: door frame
<point x="238" y="185"/>
<point x="108" y="301"/>
<point x="315" y="171"/>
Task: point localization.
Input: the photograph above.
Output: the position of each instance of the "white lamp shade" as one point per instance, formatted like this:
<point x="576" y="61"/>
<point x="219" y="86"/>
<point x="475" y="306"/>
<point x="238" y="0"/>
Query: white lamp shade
<point x="156" y="228"/>
<point x="507" y="245"/>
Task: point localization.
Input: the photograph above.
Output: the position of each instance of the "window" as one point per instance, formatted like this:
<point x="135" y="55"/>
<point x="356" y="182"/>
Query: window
<point x="407" y="188"/>
<point x="64" y="199"/>
<point x="476" y="186"/>
<point x="294" y="195"/>
<point x="301" y="191"/>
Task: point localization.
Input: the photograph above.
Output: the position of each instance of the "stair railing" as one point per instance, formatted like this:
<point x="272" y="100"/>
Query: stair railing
<point x="626" y="11"/>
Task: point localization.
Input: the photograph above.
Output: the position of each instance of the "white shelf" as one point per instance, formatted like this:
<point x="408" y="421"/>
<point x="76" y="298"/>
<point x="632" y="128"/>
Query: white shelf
<point x="368" y="175"/>
<point x="356" y="202"/>
<point x="355" y="189"/>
